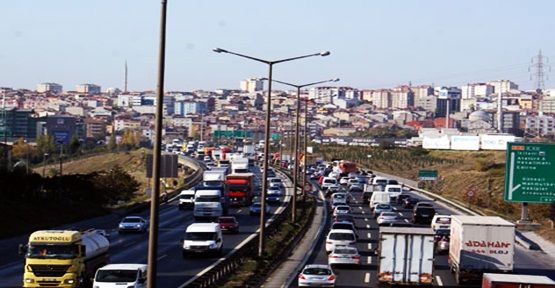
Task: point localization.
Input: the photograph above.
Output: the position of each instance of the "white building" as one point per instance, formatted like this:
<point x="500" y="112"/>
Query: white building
<point x="402" y="97"/>
<point x="474" y="90"/>
<point x="381" y="98"/>
<point x="49" y="87"/>
<point x="503" y="86"/>
<point x="547" y="105"/>
<point x="540" y="125"/>
<point x="252" y="85"/>
<point x="88" y="88"/>
<point x="124" y="101"/>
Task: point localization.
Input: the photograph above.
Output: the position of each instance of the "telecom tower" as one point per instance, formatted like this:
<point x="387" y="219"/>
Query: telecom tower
<point x="125" y="84"/>
<point x="538" y="69"/>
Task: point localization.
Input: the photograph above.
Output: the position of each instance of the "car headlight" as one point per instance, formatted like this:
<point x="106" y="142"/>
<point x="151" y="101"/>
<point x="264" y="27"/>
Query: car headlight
<point x="29" y="280"/>
<point x="138" y="226"/>
<point x="121" y="225"/>
<point x="69" y="281"/>
<point x="212" y="245"/>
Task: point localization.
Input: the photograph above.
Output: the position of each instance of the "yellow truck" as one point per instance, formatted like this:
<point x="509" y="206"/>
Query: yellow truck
<point x="63" y="258"/>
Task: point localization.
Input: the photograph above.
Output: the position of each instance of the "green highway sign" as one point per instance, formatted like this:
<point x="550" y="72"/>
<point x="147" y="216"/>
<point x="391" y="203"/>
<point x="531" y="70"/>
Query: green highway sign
<point x="427" y="175"/>
<point x="529" y="173"/>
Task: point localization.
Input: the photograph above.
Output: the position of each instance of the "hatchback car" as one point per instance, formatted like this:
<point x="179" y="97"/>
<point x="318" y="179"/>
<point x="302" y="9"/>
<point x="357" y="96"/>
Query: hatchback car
<point x="228" y="224"/>
<point x="316" y="276"/>
<point x="344" y="255"/>
<point x="387" y="218"/>
<point x="380" y="208"/>
<point x="133" y="224"/>
<point x="256" y="208"/>
<point x="341" y="209"/>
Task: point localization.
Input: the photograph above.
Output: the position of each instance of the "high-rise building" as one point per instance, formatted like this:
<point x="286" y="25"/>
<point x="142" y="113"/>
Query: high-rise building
<point x="252" y="85"/>
<point x="88" y="88"/>
<point x="422" y="91"/>
<point x="447" y="96"/>
<point x="17" y="123"/>
<point x="54" y="88"/>
<point x="474" y="90"/>
<point x="381" y="98"/>
<point x="402" y="97"/>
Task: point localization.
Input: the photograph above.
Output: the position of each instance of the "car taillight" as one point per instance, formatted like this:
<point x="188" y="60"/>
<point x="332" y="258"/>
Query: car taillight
<point x="332" y="277"/>
<point x="329" y="242"/>
<point x="333" y="256"/>
<point x="301" y="276"/>
<point x="356" y="257"/>
<point x="425" y="278"/>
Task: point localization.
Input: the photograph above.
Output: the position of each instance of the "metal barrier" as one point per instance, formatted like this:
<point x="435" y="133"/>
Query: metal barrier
<point x="220" y="271"/>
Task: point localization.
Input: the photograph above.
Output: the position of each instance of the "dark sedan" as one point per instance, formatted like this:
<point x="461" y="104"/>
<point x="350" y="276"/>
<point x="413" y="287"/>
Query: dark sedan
<point x="410" y="202"/>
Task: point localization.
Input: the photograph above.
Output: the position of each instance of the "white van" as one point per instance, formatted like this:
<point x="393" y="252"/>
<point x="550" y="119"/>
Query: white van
<point x="201" y="238"/>
<point x="208" y="204"/>
<point x="378" y="180"/>
<point x="441" y="222"/>
<point x="121" y="275"/>
<point x="186" y="199"/>
<point x="379" y="198"/>
<point x="327" y="182"/>
<point x="393" y="190"/>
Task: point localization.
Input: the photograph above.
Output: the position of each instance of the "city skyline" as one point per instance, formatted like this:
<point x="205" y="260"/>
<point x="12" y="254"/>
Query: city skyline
<point x="373" y="45"/>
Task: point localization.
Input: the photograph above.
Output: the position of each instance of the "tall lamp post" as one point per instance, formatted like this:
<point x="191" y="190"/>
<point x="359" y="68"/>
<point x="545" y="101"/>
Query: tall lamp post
<point x="296" y="144"/>
<point x="267" y="132"/>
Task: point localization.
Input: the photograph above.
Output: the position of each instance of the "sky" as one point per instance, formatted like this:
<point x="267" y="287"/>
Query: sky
<point x="373" y="44"/>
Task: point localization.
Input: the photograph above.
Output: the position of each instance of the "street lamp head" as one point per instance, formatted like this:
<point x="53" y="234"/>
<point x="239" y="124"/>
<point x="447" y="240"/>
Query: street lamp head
<point x="325" y="53"/>
<point x="334" y="80"/>
<point x="263" y="79"/>
<point x="219" y="50"/>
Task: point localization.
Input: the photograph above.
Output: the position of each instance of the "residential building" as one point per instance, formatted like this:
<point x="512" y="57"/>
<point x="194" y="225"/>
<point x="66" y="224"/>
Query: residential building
<point x="547" y="105"/>
<point x="470" y="91"/>
<point x="540" y="125"/>
<point x="447" y="96"/>
<point x="190" y="107"/>
<point x="252" y="85"/>
<point x="126" y="124"/>
<point x="95" y="128"/>
<point x="428" y="103"/>
<point x="381" y="98"/>
<point x="402" y="97"/>
<point x="503" y="86"/>
<point x="53" y="88"/>
<point x="88" y="88"/>
<point x="422" y="91"/>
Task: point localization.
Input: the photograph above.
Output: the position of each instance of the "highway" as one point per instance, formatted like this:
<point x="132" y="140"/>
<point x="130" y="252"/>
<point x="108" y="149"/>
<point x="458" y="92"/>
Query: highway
<point x="173" y="270"/>
<point x="526" y="262"/>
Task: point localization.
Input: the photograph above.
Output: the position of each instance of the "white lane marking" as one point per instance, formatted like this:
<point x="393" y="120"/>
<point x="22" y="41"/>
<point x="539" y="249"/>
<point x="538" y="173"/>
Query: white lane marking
<point x="369" y="246"/>
<point x="366" y="219"/>
<point x="162" y="257"/>
<point x="407" y="220"/>
<point x="369" y="259"/>
<point x="400" y="214"/>
<point x="395" y="209"/>
<point x="239" y="211"/>
<point x="363" y="212"/>
<point x="368" y="226"/>
<point x="359" y="207"/>
<point x="367" y="277"/>
<point x="439" y="281"/>
<point x="369" y="235"/>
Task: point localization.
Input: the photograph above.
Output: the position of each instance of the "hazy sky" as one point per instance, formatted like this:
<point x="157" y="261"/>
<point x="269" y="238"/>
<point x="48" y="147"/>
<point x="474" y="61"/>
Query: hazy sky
<point x="373" y="43"/>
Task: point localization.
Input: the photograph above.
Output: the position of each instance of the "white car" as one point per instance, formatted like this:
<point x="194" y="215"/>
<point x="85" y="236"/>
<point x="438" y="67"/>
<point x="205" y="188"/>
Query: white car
<point x="441" y="222"/>
<point x="316" y="276"/>
<point x="341" y="209"/>
<point x="339" y="198"/>
<point x="340" y="237"/>
<point x="387" y="218"/>
<point x="344" y="180"/>
<point x="352" y="181"/>
<point x="126" y="275"/>
<point x="275" y="182"/>
<point x="344" y="255"/>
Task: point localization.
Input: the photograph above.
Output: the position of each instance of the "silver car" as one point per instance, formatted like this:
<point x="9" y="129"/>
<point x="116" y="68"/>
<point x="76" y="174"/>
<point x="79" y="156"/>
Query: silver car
<point x="344" y="255"/>
<point x="133" y="224"/>
<point x="317" y="276"/>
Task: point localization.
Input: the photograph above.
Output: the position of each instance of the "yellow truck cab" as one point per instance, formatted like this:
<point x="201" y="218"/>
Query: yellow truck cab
<point x="63" y="258"/>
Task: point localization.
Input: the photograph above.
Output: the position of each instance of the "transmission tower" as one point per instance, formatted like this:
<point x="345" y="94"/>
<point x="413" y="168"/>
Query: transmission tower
<point x="539" y="67"/>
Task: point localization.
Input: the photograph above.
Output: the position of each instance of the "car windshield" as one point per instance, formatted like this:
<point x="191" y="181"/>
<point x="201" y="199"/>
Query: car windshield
<point x="255" y="205"/>
<point x="383" y="206"/>
<point x="187" y="197"/>
<point x="342" y="236"/>
<point x="227" y="220"/>
<point x="113" y="276"/>
<point x="342" y="208"/>
<point x="388" y="214"/>
<point x="317" y="271"/>
<point x="330" y="181"/>
<point x="342" y="226"/>
<point x="345" y="251"/>
<point x="131" y="220"/>
<point x="395" y="189"/>
<point x="52" y="251"/>
<point x="338" y="196"/>
<point x="443" y="220"/>
<point x="208" y="199"/>
<point x="425" y="210"/>
<point x="200" y="236"/>
<point x="381" y="182"/>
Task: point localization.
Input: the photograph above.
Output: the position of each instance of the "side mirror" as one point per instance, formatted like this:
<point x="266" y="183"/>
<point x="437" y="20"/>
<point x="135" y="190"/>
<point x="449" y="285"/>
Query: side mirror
<point x="22" y="249"/>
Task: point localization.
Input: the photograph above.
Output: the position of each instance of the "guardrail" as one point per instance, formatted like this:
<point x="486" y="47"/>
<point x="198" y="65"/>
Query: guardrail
<point x="220" y="271"/>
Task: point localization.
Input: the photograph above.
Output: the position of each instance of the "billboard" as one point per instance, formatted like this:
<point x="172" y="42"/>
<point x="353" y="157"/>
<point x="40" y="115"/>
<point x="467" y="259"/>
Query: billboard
<point x="441" y="142"/>
<point x="495" y="142"/>
<point x="460" y="142"/>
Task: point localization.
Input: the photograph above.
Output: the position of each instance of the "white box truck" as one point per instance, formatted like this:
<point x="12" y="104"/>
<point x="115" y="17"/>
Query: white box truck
<point x="480" y="244"/>
<point x="213" y="177"/>
<point x="406" y="256"/>
<point x="240" y="165"/>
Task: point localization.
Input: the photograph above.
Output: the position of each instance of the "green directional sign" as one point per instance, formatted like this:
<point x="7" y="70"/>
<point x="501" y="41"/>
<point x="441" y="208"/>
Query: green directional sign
<point x="427" y="175"/>
<point x="529" y="173"/>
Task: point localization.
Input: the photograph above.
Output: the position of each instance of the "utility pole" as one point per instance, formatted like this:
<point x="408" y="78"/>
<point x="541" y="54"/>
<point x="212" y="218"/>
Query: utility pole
<point x="538" y="69"/>
<point x="125" y="84"/>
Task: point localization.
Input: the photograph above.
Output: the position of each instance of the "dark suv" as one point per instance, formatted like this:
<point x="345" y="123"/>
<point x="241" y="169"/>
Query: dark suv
<point x="423" y="215"/>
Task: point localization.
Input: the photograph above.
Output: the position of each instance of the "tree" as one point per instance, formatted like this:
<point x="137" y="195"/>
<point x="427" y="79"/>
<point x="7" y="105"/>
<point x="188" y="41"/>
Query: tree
<point x="74" y="144"/>
<point x="45" y="144"/>
<point x="22" y="150"/>
<point x="112" y="145"/>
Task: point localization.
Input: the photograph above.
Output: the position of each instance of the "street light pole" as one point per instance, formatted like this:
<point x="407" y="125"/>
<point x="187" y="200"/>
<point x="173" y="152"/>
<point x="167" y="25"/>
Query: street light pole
<point x="270" y="64"/>
<point x="152" y="259"/>
<point x="296" y="144"/>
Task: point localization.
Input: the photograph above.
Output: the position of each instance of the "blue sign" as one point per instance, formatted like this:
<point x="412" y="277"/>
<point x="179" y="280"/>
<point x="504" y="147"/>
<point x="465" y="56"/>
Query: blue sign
<point x="61" y="137"/>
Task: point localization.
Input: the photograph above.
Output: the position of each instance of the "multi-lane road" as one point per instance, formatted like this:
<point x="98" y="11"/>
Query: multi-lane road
<point x="526" y="261"/>
<point x="173" y="270"/>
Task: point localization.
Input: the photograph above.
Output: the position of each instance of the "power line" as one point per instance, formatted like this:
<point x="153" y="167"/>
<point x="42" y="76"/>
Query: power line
<point x="539" y="67"/>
